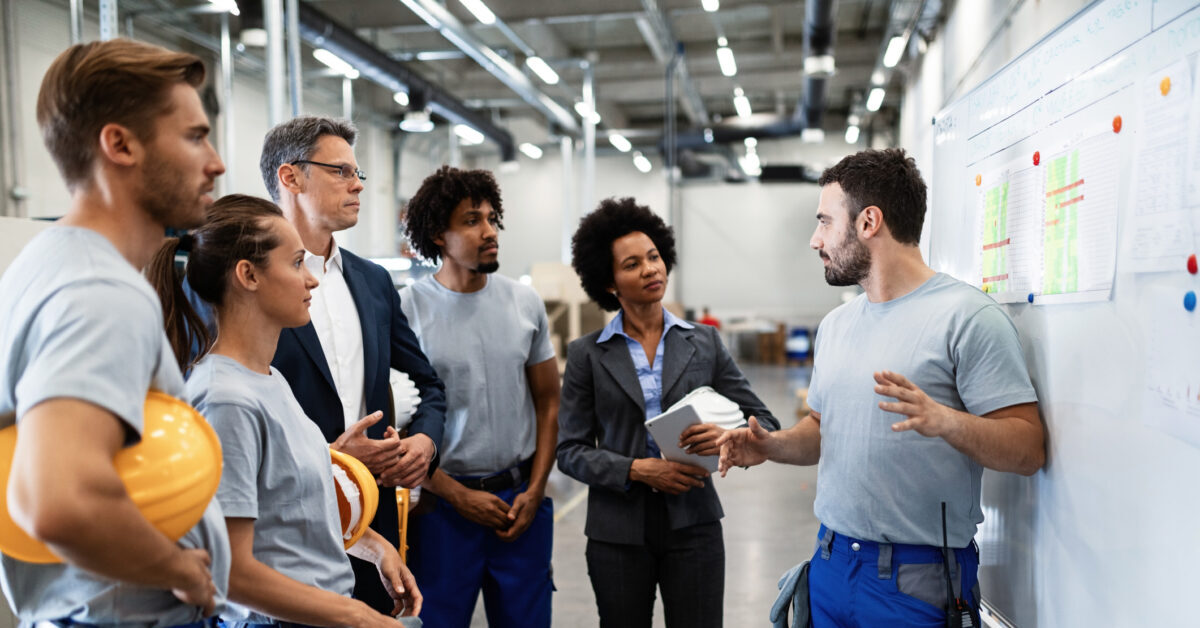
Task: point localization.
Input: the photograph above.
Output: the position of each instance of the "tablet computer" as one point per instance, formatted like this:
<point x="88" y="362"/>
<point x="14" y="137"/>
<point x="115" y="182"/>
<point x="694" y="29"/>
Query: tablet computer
<point x="666" y="429"/>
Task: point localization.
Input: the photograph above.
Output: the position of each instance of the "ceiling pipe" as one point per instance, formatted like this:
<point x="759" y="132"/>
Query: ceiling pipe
<point x="321" y="31"/>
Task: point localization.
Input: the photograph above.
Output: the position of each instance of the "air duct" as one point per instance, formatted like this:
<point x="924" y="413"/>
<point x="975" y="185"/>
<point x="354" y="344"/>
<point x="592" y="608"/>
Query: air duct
<point x="372" y="63"/>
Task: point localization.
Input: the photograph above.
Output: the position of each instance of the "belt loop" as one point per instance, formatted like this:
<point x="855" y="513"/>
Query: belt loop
<point x="885" y="561"/>
<point x="826" y="543"/>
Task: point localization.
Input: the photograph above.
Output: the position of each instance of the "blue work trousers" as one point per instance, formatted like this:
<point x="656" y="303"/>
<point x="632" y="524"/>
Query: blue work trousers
<point x="854" y="583"/>
<point x="453" y="558"/>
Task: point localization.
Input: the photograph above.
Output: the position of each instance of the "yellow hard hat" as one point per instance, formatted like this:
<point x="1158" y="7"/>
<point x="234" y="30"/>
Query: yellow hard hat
<point x="357" y="495"/>
<point x="171" y="474"/>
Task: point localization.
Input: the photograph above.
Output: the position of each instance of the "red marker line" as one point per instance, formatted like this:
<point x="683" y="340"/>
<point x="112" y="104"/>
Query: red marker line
<point x="1051" y="223"/>
<point x="996" y="245"/>
<point x="1071" y="201"/>
<point x="996" y="278"/>
<point x="1064" y="189"/>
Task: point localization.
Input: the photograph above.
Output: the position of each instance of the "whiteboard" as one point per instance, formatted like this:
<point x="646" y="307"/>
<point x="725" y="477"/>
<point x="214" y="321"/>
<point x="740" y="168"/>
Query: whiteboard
<point x="1108" y="533"/>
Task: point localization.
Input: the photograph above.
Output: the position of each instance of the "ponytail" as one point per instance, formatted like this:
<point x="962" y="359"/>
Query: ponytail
<point x="185" y="329"/>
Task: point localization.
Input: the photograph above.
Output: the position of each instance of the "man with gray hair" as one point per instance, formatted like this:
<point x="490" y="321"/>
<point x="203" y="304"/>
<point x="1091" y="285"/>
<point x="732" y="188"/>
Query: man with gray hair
<point x="338" y="364"/>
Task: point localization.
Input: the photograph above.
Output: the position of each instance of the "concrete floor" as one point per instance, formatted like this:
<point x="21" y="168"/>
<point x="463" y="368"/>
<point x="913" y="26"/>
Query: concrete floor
<point x="769" y="524"/>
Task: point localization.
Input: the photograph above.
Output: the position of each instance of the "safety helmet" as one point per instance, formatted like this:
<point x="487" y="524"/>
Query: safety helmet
<point x="171" y="474"/>
<point x="712" y="407"/>
<point x="405" y="397"/>
<point x="357" y="496"/>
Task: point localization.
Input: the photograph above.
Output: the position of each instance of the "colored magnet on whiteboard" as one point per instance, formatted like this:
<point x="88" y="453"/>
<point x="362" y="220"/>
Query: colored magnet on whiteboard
<point x="1189" y="301"/>
<point x="1164" y="85"/>
<point x="1031" y="297"/>
<point x="1116" y="124"/>
<point x="978" y="180"/>
<point x="1192" y="268"/>
<point x="1037" y="157"/>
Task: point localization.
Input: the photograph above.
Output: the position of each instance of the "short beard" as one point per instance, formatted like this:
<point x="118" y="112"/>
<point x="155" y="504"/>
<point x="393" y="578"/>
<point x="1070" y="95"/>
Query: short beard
<point x="850" y="265"/>
<point x="165" y="200"/>
<point x="487" y="268"/>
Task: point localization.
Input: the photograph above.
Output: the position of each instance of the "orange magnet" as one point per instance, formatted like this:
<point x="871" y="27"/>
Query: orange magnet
<point x="1164" y="85"/>
<point x="978" y="180"/>
<point x="1037" y="157"/>
<point x="1116" y="124"/>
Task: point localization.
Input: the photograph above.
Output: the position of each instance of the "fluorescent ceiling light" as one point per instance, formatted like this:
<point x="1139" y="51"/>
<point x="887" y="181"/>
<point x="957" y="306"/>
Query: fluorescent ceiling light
<point x="750" y="142"/>
<point x="253" y="37"/>
<point x="509" y="166"/>
<point x="875" y="99"/>
<point x="531" y="151"/>
<point x="335" y="63"/>
<point x="417" y="122"/>
<point x="751" y="164"/>
<point x="895" y="50"/>
<point x="742" y="104"/>
<point x="853" y="120"/>
<point x="480" y="11"/>
<point x="401" y="98"/>
<point x="543" y="70"/>
<point x="586" y="112"/>
<point x="725" y="58"/>
<point x="641" y="163"/>
<point x="852" y="135"/>
<point x="619" y="142"/>
<point x="394" y="264"/>
<point x="229" y="6"/>
<point x="710" y="5"/>
<point x="468" y="135"/>
<point x="722" y="42"/>
<point x="819" y="65"/>
<point x="812" y="136"/>
<point x="877" y="77"/>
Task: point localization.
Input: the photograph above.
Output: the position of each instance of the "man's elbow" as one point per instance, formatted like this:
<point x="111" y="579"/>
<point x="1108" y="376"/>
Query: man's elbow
<point x="49" y="521"/>
<point x="1034" y="461"/>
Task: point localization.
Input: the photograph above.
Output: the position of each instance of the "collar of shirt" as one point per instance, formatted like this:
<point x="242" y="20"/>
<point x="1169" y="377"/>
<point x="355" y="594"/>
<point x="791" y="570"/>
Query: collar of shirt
<point x="615" y="327"/>
<point x="317" y="264"/>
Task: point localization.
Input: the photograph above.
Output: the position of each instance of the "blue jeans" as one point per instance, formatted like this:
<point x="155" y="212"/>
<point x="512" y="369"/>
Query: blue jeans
<point x="453" y="559"/>
<point x="855" y="583"/>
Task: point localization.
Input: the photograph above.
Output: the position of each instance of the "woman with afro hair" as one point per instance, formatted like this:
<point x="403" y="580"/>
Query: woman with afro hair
<point x="651" y="523"/>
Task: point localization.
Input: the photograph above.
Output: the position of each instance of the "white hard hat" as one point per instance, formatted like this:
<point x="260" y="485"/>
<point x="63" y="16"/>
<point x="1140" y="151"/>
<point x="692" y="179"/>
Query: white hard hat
<point x="405" y="397"/>
<point x="713" y="407"/>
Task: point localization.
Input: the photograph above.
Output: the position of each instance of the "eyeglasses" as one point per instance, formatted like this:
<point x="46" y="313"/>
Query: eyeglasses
<point x="344" y="171"/>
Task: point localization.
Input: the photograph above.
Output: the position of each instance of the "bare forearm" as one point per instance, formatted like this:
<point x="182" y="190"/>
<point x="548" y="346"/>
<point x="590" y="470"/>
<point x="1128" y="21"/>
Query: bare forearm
<point x="1010" y="444"/>
<point x="371" y="547"/>
<point x="257" y="586"/>
<point x="444" y="486"/>
<point x="798" y="445"/>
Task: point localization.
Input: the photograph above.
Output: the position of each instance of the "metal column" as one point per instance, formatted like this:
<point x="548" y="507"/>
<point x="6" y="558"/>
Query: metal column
<point x="226" y="97"/>
<point x="16" y="192"/>
<point x="454" y="154"/>
<point x="110" y="27"/>
<point x="295" y="70"/>
<point x="76" y="21"/>
<point x="347" y="98"/>
<point x="276" y="69"/>
<point x="587" y="182"/>
<point x="570" y="216"/>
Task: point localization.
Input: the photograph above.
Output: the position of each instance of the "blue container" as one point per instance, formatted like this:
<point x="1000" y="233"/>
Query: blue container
<point x="799" y="344"/>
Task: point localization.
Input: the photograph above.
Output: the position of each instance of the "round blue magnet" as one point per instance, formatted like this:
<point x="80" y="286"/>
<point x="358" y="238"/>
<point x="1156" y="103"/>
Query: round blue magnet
<point x="1189" y="301"/>
<point x="1031" y="297"/>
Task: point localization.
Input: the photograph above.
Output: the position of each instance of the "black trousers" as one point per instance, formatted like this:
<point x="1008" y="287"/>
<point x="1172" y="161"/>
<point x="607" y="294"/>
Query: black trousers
<point x="687" y="565"/>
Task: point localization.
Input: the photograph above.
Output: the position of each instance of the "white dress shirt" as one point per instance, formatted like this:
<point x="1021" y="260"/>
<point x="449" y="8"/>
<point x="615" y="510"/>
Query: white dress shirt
<point x="335" y="318"/>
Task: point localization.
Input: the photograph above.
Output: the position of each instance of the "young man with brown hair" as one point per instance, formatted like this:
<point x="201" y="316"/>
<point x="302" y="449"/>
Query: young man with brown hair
<point x="81" y="343"/>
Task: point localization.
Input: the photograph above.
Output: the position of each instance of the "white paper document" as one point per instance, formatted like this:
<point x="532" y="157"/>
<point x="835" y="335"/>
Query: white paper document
<point x="1171" y="399"/>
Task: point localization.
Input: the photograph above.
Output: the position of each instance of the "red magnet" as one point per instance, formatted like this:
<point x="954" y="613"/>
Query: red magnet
<point x="1192" y="268"/>
<point x="1116" y="124"/>
<point x="1037" y="157"/>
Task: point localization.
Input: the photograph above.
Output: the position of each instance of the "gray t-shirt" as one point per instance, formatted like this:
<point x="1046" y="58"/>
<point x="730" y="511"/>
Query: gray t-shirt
<point x="958" y="346"/>
<point x="480" y="343"/>
<point x="78" y="321"/>
<point x="277" y="471"/>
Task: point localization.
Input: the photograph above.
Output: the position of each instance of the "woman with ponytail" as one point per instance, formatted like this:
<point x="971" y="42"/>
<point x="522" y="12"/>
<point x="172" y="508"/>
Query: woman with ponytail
<point x="277" y="487"/>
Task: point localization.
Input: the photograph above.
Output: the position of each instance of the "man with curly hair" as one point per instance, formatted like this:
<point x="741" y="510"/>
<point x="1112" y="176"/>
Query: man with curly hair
<point x="488" y="336"/>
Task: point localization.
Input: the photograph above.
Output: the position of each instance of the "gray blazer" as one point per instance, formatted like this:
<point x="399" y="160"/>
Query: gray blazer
<point x="601" y="426"/>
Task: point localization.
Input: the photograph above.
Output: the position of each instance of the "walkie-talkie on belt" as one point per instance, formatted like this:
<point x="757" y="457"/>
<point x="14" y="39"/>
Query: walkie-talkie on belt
<point x="958" y="612"/>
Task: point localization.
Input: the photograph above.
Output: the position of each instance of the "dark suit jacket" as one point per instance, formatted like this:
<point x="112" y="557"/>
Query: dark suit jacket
<point x="388" y="342"/>
<point x="602" y="426"/>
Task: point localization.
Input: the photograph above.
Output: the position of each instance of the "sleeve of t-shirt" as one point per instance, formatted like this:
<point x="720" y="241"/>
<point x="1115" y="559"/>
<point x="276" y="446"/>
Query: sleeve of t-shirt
<point x="540" y="348"/>
<point x="240" y="431"/>
<point x="98" y="342"/>
<point x="990" y="369"/>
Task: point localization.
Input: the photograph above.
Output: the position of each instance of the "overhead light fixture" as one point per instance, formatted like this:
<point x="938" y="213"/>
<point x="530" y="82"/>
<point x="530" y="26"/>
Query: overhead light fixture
<point x="895" y="50"/>
<point x="510" y="166"/>
<point x="640" y="162"/>
<point x="394" y="264"/>
<point x="725" y="58"/>
<point x="480" y="11"/>
<point x="226" y="6"/>
<point x="708" y="136"/>
<point x="852" y="134"/>
<point x="619" y="142"/>
<point x="417" y="121"/>
<point x="335" y="63"/>
<point x="875" y="99"/>
<point x="401" y="98"/>
<point x="853" y="120"/>
<point x="819" y="65"/>
<point x="710" y="5"/>
<point x="877" y="77"/>
<point x="741" y="103"/>
<point x="587" y="113"/>
<point x="468" y="134"/>
<point x="531" y="151"/>
<point x="253" y="37"/>
<point x="750" y="142"/>
<point x="543" y="70"/>
<point x="812" y="136"/>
